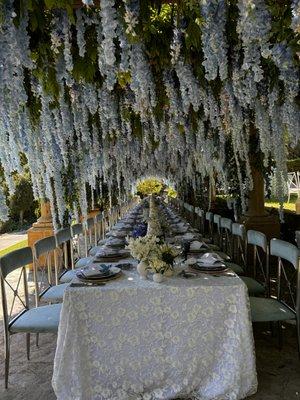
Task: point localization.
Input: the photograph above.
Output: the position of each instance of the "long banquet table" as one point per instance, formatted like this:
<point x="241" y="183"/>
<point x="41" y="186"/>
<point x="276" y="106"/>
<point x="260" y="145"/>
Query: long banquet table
<point x="136" y="339"/>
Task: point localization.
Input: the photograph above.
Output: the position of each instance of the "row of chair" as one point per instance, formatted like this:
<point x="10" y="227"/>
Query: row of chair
<point x="269" y="303"/>
<point x="63" y="251"/>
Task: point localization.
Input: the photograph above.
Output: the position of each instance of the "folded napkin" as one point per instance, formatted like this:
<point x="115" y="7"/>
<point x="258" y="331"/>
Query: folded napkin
<point x="94" y="270"/>
<point x="196" y="245"/>
<point x="115" y="241"/>
<point x="119" y="233"/>
<point x="210" y="259"/>
<point x="188" y="236"/>
<point x="106" y="252"/>
<point x="191" y="261"/>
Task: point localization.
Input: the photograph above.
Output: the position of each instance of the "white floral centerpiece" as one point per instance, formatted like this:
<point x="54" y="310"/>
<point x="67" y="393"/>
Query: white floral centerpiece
<point x="144" y="249"/>
<point x="159" y="267"/>
<point x="154" y="225"/>
<point x="152" y="255"/>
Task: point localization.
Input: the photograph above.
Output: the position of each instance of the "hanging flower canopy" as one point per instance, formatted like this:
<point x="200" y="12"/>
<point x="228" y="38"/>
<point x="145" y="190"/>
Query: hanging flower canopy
<point x="100" y="93"/>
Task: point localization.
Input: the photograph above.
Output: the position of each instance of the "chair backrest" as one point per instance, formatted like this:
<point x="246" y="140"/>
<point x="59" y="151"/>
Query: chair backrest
<point x="99" y="217"/>
<point x="217" y="220"/>
<point x="260" y="256"/>
<point x="216" y="234"/>
<point x="44" y="257"/>
<point x="90" y="228"/>
<point x="63" y="239"/>
<point x="76" y="229"/>
<point x="62" y="236"/>
<point x="238" y="230"/>
<point x="14" y="260"/>
<point x="226" y="238"/>
<point x="11" y="262"/>
<point x="288" y="282"/>
<point x="257" y="238"/>
<point x="239" y="243"/>
<point x="226" y="223"/>
<point x="98" y="227"/>
<point x="44" y="246"/>
<point x="78" y="238"/>
<point x="90" y="222"/>
<point x="293" y="182"/>
<point x="209" y="216"/>
<point x="297" y="238"/>
<point x="200" y="213"/>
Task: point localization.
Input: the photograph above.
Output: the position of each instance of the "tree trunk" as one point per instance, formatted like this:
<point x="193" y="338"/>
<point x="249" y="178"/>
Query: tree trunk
<point x="256" y="216"/>
<point x="256" y="202"/>
<point x="21" y="219"/>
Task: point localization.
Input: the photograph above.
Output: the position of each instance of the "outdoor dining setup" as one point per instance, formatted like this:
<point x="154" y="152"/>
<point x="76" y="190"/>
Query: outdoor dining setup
<point x="146" y="306"/>
<point x="149" y="199"/>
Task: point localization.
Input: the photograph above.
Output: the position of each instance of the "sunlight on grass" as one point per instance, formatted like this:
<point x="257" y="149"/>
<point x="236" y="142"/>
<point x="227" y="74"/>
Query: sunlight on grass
<point x="286" y="206"/>
<point x="16" y="246"/>
<point x="272" y="203"/>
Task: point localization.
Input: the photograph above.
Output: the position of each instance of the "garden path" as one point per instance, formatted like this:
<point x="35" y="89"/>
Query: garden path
<point x="9" y="239"/>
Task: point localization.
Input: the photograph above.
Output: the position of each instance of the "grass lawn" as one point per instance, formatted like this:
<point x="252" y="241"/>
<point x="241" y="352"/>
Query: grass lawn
<point x="272" y="203"/>
<point x="16" y="246"/>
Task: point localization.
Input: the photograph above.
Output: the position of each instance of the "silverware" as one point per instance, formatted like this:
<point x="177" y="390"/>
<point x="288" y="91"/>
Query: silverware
<point x="223" y="274"/>
<point x="87" y="284"/>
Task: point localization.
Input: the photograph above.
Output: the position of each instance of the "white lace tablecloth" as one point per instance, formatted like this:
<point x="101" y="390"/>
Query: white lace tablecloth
<point x="134" y="339"/>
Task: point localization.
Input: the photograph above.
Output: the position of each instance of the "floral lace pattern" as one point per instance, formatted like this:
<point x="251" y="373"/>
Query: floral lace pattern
<point x="135" y="339"/>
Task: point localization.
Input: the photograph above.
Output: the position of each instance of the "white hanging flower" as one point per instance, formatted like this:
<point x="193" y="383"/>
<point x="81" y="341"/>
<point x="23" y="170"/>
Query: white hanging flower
<point x="254" y="26"/>
<point x="67" y="43"/>
<point x="80" y="30"/>
<point x="131" y="16"/>
<point x="296" y="15"/>
<point x="214" y="38"/>
<point x="142" y="82"/>
<point x="88" y="2"/>
<point x="3" y="207"/>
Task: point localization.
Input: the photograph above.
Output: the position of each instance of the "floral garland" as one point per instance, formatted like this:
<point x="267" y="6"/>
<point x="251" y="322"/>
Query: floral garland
<point x="214" y="40"/>
<point x="135" y="112"/>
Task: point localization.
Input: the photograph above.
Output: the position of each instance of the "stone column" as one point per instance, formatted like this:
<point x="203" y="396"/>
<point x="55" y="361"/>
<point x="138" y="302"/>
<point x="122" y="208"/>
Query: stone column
<point x="42" y="228"/>
<point x="257" y="217"/>
<point x="212" y="192"/>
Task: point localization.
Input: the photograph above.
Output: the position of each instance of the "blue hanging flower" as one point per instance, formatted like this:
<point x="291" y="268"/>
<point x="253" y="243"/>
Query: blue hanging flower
<point x="139" y="230"/>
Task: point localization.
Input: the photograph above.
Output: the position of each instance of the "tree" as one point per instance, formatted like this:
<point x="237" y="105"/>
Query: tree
<point x="22" y="201"/>
<point x="149" y="186"/>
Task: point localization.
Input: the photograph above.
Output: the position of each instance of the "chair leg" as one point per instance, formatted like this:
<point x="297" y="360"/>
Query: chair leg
<point x="7" y="356"/>
<point x="280" y="336"/>
<point x="298" y="337"/>
<point x="272" y="329"/>
<point x="28" y="345"/>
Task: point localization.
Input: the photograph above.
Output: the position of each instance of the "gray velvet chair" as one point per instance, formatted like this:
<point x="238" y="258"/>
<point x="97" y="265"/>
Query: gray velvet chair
<point x="286" y="305"/>
<point x="27" y="320"/>
<point x="46" y="249"/>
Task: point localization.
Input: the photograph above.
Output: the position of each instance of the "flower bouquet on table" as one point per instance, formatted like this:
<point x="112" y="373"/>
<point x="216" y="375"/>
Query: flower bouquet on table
<point x="168" y="255"/>
<point x="144" y="249"/>
<point x="145" y="214"/>
<point x="139" y="230"/>
<point x="163" y="264"/>
<point x="159" y="268"/>
<point x="154" y="227"/>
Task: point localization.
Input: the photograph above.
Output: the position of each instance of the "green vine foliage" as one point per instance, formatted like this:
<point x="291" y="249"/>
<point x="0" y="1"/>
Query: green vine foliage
<point x="155" y="29"/>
